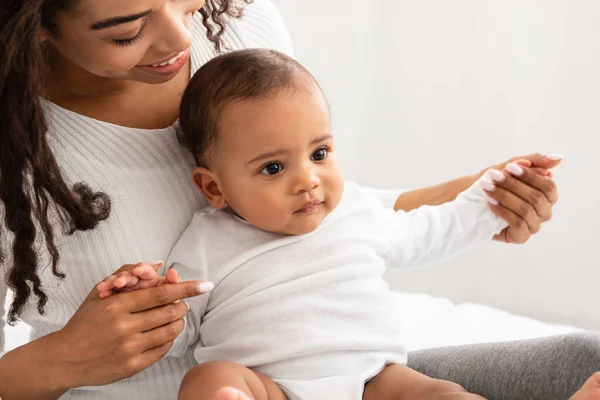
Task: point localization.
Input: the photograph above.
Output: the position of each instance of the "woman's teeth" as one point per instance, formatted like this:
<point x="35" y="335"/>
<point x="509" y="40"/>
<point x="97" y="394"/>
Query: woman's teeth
<point x="171" y="61"/>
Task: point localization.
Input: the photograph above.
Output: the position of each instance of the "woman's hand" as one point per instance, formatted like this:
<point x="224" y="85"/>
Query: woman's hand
<point x="525" y="195"/>
<point x="115" y="338"/>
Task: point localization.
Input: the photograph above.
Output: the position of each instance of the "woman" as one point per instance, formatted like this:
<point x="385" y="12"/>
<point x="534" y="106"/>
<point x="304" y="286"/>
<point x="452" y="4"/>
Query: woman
<point x="89" y="91"/>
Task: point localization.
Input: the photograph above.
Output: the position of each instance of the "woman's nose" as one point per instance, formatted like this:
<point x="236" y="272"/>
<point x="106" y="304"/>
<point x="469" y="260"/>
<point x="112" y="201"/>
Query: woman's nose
<point x="175" y="29"/>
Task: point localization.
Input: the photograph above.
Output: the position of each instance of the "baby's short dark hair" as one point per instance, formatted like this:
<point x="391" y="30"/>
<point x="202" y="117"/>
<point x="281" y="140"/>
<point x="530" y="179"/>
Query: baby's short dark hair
<point x="231" y="77"/>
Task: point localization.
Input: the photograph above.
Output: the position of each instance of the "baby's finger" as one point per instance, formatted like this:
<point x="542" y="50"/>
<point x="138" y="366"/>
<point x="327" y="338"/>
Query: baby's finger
<point x="524" y="163"/>
<point x="125" y="279"/>
<point x="102" y="286"/>
<point x="107" y="283"/>
<point x="105" y="294"/>
<point x="541" y="171"/>
<point x="527" y="164"/>
<point x="144" y="271"/>
<point x="157" y="281"/>
<point x="172" y="276"/>
<point x="145" y="283"/>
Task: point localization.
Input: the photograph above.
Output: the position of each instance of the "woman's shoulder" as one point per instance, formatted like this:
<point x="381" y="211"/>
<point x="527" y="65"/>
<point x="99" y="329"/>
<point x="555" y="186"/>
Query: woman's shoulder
<point x="264" y="26"/>
<point x="260" y="26"/>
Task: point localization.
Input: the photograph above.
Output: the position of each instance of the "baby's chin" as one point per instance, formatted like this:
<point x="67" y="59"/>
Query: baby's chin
<point x="296" y="227"/>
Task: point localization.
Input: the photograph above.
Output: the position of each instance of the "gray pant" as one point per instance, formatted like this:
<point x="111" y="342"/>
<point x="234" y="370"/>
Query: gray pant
<point x="545" y="369"/>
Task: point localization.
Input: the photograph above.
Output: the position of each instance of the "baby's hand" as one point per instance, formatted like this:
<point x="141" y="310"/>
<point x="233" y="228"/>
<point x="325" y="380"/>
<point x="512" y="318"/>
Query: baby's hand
<point x="141" y="277"/>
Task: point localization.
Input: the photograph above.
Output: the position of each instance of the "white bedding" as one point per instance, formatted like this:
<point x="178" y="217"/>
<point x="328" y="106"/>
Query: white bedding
<point x="435" y="322"/>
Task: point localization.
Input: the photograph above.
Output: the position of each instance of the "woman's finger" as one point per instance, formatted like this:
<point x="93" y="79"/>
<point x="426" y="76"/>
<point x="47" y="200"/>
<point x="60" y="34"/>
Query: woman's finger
<point x="146" y="299"/>
<point x="150" y="356"/>
<point x="517" y="206"/>
<point x="151" y="319"/>
<point x="161" y="335"/>
<point x="161" y="315"/>
<point x="537" y="181"/>
<point x="531" y="198"/>
<point x="518" y="230"/>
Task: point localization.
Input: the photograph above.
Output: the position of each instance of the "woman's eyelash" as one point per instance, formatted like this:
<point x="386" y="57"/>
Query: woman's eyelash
<point x="131" y="41"/>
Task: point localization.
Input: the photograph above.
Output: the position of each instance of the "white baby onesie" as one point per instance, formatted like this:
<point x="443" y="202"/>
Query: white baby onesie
<point x="312" y="312"/>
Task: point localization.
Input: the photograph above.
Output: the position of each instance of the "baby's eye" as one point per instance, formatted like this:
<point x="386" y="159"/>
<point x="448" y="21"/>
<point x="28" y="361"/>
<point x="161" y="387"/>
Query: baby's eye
<point x="319" y="155"/>
<point x="272" y="169"/>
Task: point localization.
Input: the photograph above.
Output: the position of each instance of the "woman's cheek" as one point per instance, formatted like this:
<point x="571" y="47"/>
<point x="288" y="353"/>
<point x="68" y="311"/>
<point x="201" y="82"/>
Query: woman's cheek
<point x="124" y="65"/>
<point x="117" y="62"/>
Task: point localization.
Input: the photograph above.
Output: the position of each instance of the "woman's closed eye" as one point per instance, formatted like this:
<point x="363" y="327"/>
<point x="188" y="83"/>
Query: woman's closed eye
<point x="273" y="168"/>
<point x="320" y="154"/>
<point x="132" y="40"/>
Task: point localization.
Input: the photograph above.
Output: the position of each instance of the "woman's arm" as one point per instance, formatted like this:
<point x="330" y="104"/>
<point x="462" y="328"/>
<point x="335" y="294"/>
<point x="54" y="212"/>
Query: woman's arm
<point x="33" y="371"/>
<point x="516" y="197"/>
<point x="434" y="195"/>
<point x="105" y="341"/>
<point x="26" y="372"/>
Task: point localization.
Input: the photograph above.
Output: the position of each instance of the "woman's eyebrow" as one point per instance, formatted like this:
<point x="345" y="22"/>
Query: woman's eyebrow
<point x="109" y="23"/>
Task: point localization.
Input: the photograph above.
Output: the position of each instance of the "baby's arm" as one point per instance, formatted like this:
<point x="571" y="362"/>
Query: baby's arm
<point x="431" y="233"/>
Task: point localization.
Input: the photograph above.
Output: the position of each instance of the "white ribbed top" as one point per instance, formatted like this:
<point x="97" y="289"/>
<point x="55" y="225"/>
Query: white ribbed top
<point x="147" y="175"/>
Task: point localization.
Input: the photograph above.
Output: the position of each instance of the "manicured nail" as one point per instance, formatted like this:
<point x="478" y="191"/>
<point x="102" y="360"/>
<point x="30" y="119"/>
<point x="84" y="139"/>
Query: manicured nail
<point x="205" y="287"/>
<point x="514" y="169"/>
<point x="496" y="175"/>
<point x="492" y="201"/>
<point x="554" y="157"/>
<point x="487" y="185"/>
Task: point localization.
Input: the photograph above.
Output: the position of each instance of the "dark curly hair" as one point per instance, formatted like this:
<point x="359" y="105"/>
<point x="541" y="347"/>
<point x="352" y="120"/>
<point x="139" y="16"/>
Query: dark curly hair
<point x="31" y="182"/>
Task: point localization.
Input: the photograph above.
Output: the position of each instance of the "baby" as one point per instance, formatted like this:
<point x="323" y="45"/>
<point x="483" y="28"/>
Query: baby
<point x="299" y="309"/>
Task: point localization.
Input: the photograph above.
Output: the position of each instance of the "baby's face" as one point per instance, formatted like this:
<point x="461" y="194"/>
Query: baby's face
<point x="276" y="164"/>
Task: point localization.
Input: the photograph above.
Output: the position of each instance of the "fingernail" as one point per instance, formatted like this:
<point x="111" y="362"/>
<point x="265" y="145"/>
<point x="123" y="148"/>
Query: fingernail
<point x="492" y="201"/>
<point x="554" y="157"/>
<point x="487" y="185"/>
<point x="514" y="169"/>
<point x="205" y="287"/>
<point x="161" y="263"/>
<point x="188" y="306"/>
<point x="496" y="175"/>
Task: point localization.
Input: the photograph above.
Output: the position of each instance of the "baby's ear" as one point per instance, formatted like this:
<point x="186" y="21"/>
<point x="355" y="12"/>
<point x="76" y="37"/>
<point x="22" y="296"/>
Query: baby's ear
<point x="207" y="182"/>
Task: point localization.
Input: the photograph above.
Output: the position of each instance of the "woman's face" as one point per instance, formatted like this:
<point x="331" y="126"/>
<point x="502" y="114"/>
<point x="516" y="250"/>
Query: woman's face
<point x="127" y="39"/>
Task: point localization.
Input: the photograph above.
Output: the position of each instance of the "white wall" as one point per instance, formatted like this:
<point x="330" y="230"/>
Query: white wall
<point x="424" y="91"/>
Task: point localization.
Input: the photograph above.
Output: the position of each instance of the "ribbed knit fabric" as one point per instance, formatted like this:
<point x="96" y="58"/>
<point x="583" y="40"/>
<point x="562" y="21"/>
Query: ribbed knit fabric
<point x="147" y="175"/>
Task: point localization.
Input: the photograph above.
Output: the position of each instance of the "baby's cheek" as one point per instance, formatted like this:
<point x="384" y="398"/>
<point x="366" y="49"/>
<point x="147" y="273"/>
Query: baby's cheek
<point x="337" y="191"/>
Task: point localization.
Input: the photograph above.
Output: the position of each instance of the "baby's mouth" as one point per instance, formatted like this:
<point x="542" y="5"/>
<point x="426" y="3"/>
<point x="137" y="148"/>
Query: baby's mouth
<point x="309" y="207"/>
